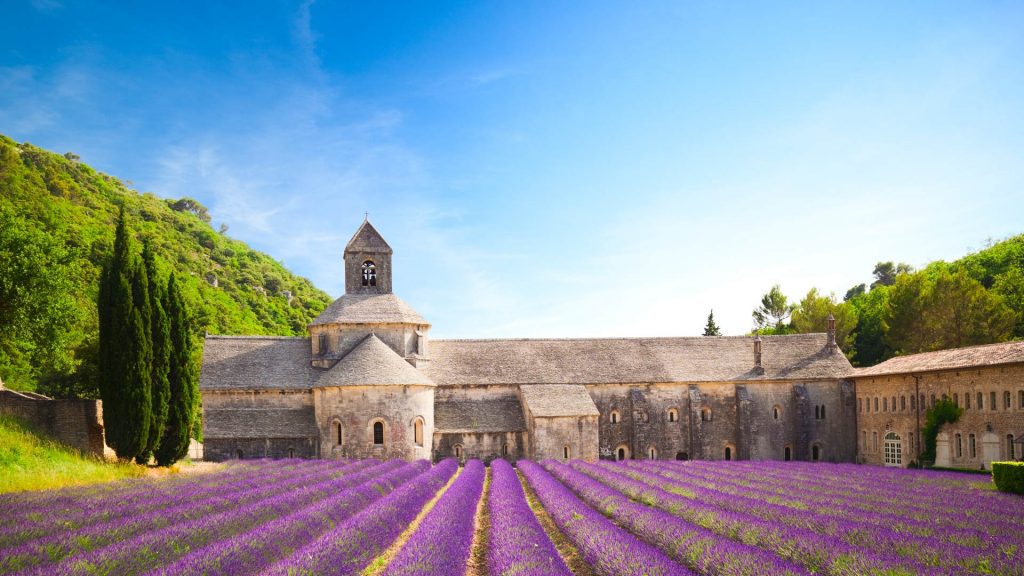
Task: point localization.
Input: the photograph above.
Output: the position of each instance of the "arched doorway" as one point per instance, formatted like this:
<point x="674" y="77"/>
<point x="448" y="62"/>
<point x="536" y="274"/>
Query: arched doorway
<point x="682" y="456"/>
<point x="788" y="454"/>
<point x="622" y="453"/>
<point x="893" y="449"/>
<point x="728" y="452"/>
<point x="815" y="453"/>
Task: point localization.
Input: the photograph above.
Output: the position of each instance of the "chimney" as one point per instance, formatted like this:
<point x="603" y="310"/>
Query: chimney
<point x="757" y="355"/>
<point x="831" y="344"/>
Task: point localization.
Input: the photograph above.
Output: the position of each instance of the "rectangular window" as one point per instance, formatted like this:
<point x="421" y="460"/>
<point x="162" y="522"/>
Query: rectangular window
<point x="1006" y="400"/>
<point x="967" y="401"/>
<point x="874" y="441"/>
<point x="903" y="403"/>
<point x="913" y="402"/>
<point x="992" y="401"/>
<point x="864" y="440"/>
<point x="972" y="447"/>
<point x="981" y="401"/>
<point x="860" y="405"/>
<point x="876" y="403"/>
<point x="885" y="404"/>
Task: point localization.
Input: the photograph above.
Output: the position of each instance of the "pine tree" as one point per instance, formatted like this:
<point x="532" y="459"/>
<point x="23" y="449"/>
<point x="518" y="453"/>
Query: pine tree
<point x="711" y="329"/>
<point x="184" y="393"/>
<point x="160" y="337"/>
<point x="125" y="348"/>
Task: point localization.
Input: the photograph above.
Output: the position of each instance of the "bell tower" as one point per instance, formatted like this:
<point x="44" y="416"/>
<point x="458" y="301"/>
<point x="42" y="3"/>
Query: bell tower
<point x="367" y="262"/>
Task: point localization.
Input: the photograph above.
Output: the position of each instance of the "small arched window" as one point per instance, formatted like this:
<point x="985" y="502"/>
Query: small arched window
<point x="417" y="431"/>
<point x="369" y="273"/>
<point x="458" y="451"/>
<point x="652" y="453"/>
<point x="991" y="400"/>
<point x="972" y="446"/>
<point x="815" y="453"/>
<point x="776" y="412"/>
<point x="565" y="452"/>
<point x="728" y="452"/>
<point x="673" y="415"/>
<point x="981" y="401"/>
<point x="705" y="414"/>
<point x="903" y="403"/>
<point x="614" y="416"/>
<point x="621" y="453"/>
<point x="291" y="453"/>
<point x="788" y="455"/>
<point x="378" y="433"/>
<point x="504" y="449"/>
<point x="1011" y="452"/>
<point x="1006" y="400"/>
<point x="823" y="409"/>
<point x="337" y="433"/>
<point x="239" y="455"/>
<point x="1020" y="399"/>
<point x="959" y="445"/>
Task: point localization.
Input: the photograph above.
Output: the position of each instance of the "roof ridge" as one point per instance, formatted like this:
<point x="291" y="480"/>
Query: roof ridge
<point x="620" y="338"/>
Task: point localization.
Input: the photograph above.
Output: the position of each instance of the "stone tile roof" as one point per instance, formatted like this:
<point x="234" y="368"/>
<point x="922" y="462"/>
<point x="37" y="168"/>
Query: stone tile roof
<point x="970" y="357"/>
<point x="369" y="309"/>
<point x="253" y="423"/>
<point x="367" y="239"/>
<point x="503" y="414"/>
<point x="632" y="360"/>
<point x="371" y="362"/>
<point x="254" y="362"/>
<point x="559" y="400"/>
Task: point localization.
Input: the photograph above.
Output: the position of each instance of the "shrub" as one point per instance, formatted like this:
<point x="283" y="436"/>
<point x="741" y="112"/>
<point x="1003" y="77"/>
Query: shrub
<point x="1009" y="476"/>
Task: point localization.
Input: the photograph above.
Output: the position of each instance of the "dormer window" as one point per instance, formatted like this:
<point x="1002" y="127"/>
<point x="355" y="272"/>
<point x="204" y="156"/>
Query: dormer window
<point x="369" y="273"/>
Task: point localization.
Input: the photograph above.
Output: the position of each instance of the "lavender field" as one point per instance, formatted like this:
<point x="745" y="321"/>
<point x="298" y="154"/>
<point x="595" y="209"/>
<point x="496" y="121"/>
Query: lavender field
<point x="300" y="517"/>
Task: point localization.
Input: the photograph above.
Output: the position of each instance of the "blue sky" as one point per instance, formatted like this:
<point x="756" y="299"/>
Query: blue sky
<point x="549" y="169"/>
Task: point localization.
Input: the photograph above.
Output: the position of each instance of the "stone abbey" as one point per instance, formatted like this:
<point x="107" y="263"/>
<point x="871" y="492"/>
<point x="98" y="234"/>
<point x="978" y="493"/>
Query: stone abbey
<point x="369" y="382"/>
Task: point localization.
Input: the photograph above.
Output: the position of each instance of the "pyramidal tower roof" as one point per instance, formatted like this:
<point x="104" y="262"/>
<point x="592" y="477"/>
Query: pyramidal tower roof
<point x="372" y="363"/>
<point x="367" y="239"/>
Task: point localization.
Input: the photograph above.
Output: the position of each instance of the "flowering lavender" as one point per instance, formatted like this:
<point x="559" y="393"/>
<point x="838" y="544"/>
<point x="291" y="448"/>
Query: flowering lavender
<point x="354" y="543"/>
<point x="134" y="547"/>
<point x="517" y="543"/>
<point x="701" y="549"/>
<point x="251" y="551"/>
<point x="440" y="545"/>
<point x="609" y="550"/>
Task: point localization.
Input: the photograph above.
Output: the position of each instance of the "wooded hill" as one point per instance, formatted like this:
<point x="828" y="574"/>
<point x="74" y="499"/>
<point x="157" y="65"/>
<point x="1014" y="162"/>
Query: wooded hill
<point x="57" y="221"/>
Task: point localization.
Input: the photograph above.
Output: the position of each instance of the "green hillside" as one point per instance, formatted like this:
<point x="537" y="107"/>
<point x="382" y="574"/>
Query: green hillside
<point x="57" y="220"/>
<point x="29" y="461"/>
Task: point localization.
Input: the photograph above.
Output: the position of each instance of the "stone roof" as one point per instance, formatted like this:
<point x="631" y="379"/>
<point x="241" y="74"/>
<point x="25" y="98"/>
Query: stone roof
<point x="952" y="359"/>
<point x="369" y="309"/>
<point x="255" y="362"/>
<point x="479" y="415"/>
<point x="367" y="239"/>
<point x="559" y="400"/>
<point x="371" y="362"/>
<point x="253" y="423"/>
<point x="632" y="360"/>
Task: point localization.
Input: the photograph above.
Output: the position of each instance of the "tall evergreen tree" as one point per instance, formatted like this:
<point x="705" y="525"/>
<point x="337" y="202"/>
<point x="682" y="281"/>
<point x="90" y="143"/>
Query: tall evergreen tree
<point x="125" y="351"/>
<point x="711" y="329"/>
<point x="160" y="336"/>
<point x="184" y="392"/>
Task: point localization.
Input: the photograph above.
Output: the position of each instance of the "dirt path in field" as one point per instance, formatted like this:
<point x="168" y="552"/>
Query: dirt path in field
<point x="477" y="565"/>
<point x="570" y="555"/>
<point x="381" y="562"/>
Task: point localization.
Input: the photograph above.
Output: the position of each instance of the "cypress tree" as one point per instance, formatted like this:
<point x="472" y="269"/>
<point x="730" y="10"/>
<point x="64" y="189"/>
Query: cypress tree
<point x="125" y="350"/>
<point x="182" y="378"/>
<point x="160" y="337"/>
<point x="711" y="329"/>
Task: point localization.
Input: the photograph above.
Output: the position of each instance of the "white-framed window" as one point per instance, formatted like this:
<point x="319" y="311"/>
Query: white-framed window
<point x="893" y="449"/>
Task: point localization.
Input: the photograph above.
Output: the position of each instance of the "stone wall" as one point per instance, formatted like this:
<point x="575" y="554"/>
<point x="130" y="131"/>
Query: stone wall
<point x="485" y="446"/>
<point x="900" y="412"/>
<point x="77" y="423"/>
<point x="221" y="449"/>
<point x="357" y="408"/>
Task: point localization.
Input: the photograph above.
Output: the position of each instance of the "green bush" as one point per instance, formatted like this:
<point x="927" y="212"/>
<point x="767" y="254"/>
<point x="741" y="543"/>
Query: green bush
<point x="1009" y="476"/>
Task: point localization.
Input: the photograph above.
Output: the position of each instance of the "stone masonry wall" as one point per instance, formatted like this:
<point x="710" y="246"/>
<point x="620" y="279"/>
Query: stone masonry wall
<point x="485" y="446"/>
<point x="899" y="412"/>
<point x="358" y="407"/>
<point x="77" y="423"/>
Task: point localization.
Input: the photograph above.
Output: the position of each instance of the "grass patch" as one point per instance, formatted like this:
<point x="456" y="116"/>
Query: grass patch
<point x="31" y="461"/>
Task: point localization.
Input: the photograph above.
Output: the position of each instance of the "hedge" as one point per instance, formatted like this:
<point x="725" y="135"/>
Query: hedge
<point x="1009" y="476"/>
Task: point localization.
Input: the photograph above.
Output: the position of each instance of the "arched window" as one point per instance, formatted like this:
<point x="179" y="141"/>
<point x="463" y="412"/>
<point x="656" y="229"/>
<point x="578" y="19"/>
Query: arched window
<point x="417" y="431"/>
<point x="565" y="452"/>
<point x="967" y="401"/>
<point x="864" y="440"/>
<point x="652" y="453"/>
<point x="823" y="409"/>
<point x="291" y="453"/>
<point x="1006" y="400"/>
<point x="815" y="453"/>
<point x="673" y="414"/>
<point x="1011" y="453"/>
<point x="860" y="405"/>
<point x="903" y="403"/>
<point x="682" y="456"/>
<point x="959" y="445"/>
<point x="981" y="401"/>
<point x="972" y="446"/>
<point x="913" y="402"/>
<point x="991" y="400"/>
<point x="239" y="455"/>
<point x="378" y="433"/>
<point x="893" y="449"/>
<point x="876" y="404"/>
<point x="504" y="449"/>
<point x="614" y="416"/>
<point x="885" y="404"/>
<point x="776" y="412"/>
<point x="457" y="449"/>
<point x="956" y="399"/>
<point x="817" y="412"/>
<point x="621" y="453"/>
<point x="1020" y="399"/>
<point x="874" y="441"/>
<point x="369" y="273"/>
<point x="705" y="414"/>
<point x="728" y="452"/>
<point x="337" y="432"/>
<point x="788" y="454"/>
